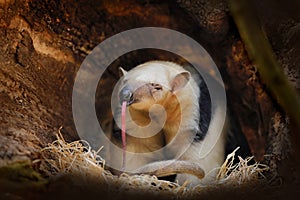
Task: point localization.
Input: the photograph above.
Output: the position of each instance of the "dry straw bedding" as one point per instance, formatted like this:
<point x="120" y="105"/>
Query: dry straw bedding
<point x="77" y="158"/>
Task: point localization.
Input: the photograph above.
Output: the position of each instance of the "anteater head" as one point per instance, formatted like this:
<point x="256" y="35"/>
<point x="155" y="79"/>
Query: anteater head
<point x="152" y="83"/>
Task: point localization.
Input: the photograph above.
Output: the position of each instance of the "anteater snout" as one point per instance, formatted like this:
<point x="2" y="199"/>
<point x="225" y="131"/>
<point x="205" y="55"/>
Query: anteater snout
<point x="126" y="94"/>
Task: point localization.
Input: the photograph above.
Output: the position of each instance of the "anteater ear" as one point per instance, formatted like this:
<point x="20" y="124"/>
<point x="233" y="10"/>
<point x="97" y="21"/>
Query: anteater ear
<point x="122" y="72"/>
<point x="180" y="81"/>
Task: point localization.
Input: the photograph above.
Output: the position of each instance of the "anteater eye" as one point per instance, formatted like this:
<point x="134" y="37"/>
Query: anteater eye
<point x="156" y="86"/>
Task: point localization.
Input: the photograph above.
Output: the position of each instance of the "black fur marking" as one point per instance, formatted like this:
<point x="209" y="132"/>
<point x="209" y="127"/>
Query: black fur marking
<point x="116" y="131"/>
<point x="205" y="112"/>
<point x="204" y="102"/>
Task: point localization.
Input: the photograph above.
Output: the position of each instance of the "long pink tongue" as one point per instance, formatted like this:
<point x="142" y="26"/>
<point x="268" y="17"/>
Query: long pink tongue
<point x="123" y="118"/>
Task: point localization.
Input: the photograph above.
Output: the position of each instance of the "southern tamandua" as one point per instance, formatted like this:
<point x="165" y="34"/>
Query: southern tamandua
<point x="181" y="126"/>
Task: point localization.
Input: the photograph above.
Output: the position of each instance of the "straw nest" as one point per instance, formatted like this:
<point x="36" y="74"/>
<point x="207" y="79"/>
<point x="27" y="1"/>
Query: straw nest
<point x="78" y="159"/>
